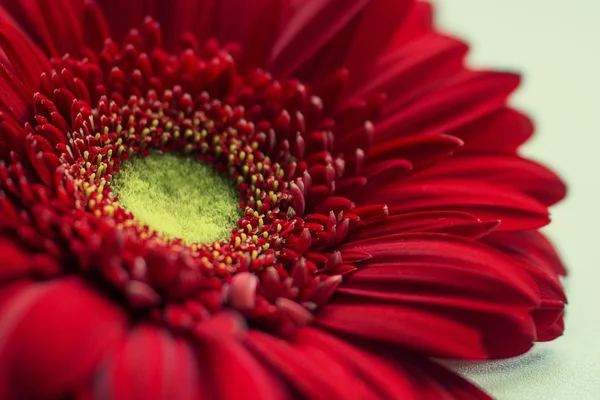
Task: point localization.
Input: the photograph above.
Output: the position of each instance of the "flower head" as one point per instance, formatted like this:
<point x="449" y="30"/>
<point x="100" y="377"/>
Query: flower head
<point x="265" y="199"/>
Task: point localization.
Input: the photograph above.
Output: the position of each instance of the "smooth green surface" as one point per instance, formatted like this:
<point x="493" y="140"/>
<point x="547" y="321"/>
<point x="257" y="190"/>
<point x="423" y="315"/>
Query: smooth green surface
<point x="179" y="197"/>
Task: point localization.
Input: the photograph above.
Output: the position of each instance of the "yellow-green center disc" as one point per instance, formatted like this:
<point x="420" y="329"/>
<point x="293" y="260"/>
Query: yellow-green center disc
<point x="179" y="197"/>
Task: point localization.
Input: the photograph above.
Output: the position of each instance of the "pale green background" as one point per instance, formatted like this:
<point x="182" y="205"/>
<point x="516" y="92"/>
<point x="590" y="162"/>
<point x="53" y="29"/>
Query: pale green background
<point x="556" y="45"/>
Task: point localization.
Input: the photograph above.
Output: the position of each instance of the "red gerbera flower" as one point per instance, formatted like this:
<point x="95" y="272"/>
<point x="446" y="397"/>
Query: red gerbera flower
<point x="384" y="215"/>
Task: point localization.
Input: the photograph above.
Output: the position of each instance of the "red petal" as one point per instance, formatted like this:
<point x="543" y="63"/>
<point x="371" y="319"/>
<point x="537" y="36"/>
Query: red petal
<point x="546" y="317"/>
<point x="464" y="280"/>
<point x="64" y="25"/>
<point x="531" y="247"/>
<point x="420" y="151"/>
<point x="53" y="335"/>
<point x="330" y="57"/>
<point x="523" y="175"/>
<point x="517" y="333"/>
<point x="225" y="325"/>
<point x="481" y="299"/>
<point x="444" y="260"/>
<point x="313" y="25"/>
<point x="439" y="383"/>
<point x="15" y="98"/>
<point x="406" y="70"/>
<point x="483" y="200"/>
<point x="15" y="262"/>
<point x="262" y="32"/>
<point x="380" y="20"/>
<point x="382" y="172"/>
<point x="501" y="131"/>
<point x="230" y="371"/>
<point x="451" y="222"/>
<point x="57" y="29"/>
<point x="407" y="327"/>
<point x="176" y="18"/>
<point x="418" y="23"/>
<point x="382" y="379"/>
<point x="466" y="97"/>
<point x="542" y="263"/>
<point x="26" y="58"/>
<point x="553" y="332"/>
<point x="150" y="364"/>
<point x="314" y="375"/>
<point x="442" y="300"/>
<point x="437" y="279"/>
<point x="96" y="29"/>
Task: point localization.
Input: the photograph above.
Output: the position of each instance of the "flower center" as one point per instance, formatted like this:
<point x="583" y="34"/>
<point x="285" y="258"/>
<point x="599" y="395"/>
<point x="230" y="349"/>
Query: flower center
<point x="113" y="205"/>
<point x="179" y="197"/>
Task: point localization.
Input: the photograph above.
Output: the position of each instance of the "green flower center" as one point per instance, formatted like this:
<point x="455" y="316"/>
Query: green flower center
<point x="178" y="196"/>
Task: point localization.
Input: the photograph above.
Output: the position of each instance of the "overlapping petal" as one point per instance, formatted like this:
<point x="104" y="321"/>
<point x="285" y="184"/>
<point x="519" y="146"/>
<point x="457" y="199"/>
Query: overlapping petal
<point x="52" y="336"/>
<point x="413" y="225"/>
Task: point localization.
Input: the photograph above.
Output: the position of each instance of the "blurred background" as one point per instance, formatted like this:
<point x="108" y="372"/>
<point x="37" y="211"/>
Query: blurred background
<point x="555" y="44"/>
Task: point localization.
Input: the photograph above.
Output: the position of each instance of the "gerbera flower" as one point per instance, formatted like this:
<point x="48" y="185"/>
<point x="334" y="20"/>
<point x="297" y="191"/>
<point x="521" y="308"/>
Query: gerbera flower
<point x="267" y="199"/>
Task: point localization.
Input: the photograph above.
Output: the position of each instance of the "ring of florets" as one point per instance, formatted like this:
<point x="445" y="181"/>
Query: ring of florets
<point x="275" y="268"/>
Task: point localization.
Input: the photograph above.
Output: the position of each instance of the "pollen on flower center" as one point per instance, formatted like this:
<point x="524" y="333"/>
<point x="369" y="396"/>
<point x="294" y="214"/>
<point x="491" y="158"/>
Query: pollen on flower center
<point x="179" y="197"/>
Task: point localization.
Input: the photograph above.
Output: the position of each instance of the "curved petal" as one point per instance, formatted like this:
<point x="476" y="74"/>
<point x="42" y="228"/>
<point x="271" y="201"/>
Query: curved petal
<point x="470" y="283"/>
<point x="313" y="25"/>
<point x="150" y="364"/>
<point x="402" y="72"/>
<point x="540" y="260"/>
<point x="320" y="366"/>
<point x="378" y="24"/>
<point x="537" y="264"/>
<point x="96" y="29"/>
<point x="230" y="371"/>
<point x="123" y="16"/>
<point x="554" y="331"/>
<point x="512" y="171"/>
<point x="549" y="320"/>
<point x="440" y="383"/>
<point x="454" y="253"/>
<point x="15" y="99"/>
<point x="263" y="26"/>
<point x="405" y="327"/>
<point x="465" y="97"/>
<point x="501" y="131"/>
<point x="423" y="281"/>
<point x="55" y="28"/>
<point x="381" y="379"/>
<point x="419" y="22"/>
<point x="52" y="336"/>
<point x="15" y="262"/>
<point x="531" y="246"/>
<point x="506" y="329"/>
<point x="421" y="151"/>
<point x="484" y="200"/>
<point x="25" y="57"/>
<point x="450" y="222"/>
<point x="315" y="375"/>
